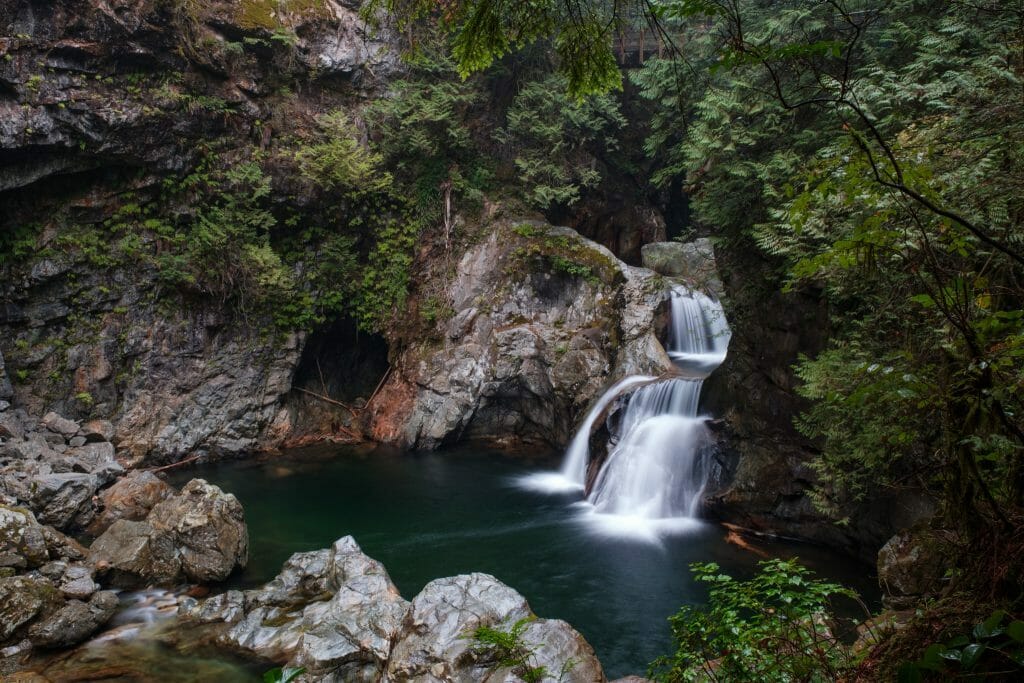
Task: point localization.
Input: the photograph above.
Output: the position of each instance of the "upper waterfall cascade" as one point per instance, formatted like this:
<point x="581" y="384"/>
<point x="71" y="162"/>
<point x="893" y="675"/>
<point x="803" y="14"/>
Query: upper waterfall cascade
<point x="698" y="334"/>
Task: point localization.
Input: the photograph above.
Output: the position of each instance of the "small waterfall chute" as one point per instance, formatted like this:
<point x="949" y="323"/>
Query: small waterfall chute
<point x="699" y="334"/>
<point x="655" y="470"/>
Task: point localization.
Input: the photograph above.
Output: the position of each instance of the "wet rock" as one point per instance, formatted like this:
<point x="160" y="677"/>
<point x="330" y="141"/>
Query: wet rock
<point x="22" y="542"/>
<point x="335" y="612"/>
<point x="911" y="564"/>
<point x="74" y="621"/>
<point x="134" y="554"/>
<point x="207" y="527"/>
<point x="22" y="599"/>
<point x="434" y="645"/>
<point x="131" y="497"/>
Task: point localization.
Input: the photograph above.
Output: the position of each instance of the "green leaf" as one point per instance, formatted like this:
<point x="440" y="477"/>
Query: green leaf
<point x="971" y="654"/>
<point x="1016" y="630"/>
<point x="990" y="627"/>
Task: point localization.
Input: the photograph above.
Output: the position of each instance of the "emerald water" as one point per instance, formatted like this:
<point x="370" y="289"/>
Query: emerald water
<point x="429" y="515"/>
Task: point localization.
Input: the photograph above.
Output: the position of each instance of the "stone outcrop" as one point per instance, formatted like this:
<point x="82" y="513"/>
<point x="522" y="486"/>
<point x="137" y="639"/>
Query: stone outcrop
<point x="336" y="613"/>
<point x="542" y="320"/>
<point x="692" y="262"/>
<point x="912" y="565"/>
<point x="130" y="497"/>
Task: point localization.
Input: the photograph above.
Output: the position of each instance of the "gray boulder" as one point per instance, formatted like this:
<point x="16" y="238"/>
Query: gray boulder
<point x="436" y="646"/>
<point x="64" y="499"/>
<point x="693" y="262"/>
<point x="73" y="622"/>
<point x="207" y="528"/>
<point x="22" y="542"/>
<point x="335" y="612"/>
<point x="22" y="599"/>
<point x="60" y="425"/>
<point x="199" y="534"/>
<point x="134" y="554"/>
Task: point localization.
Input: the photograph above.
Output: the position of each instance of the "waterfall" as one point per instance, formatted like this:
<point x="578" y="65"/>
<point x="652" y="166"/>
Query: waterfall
<point x="575" y="466"/>
<point x="699" y="334"/>
<point x="656" y="467"/>
<point x="656" y="471"/>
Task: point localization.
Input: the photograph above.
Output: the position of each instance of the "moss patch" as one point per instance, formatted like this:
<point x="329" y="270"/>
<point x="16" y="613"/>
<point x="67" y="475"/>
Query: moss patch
<point x="566" y="255"/>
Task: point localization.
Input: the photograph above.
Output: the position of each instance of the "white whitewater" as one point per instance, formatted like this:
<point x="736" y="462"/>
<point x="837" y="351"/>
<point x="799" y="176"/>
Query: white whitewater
<point x="573" y="475"/>
<point x="699" y="334"/>
<point x="656" y="469"/>
<point x="655" y="474"/>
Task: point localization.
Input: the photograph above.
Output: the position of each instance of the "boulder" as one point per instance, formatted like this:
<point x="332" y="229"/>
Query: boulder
<point x="911" y="564"/>
<point x="10" y="426"/>
<point x="334" y="612"/>
<point x="77" y="583"/>
<point x="207" y="527"/>
<point x="96" y="459"/>
<point x="131" y="497"/>
<point x="693" y="262"/>
<point x="22" y="599"/>
<point x="73" y="622"/>
<point x="97" y="430"/>
<point x="22" y="542"/>
<point x="435" y="643"/>
<point x="60" y="425"/>
<point x="134" y="554"/>
<point x="64" y="499"/>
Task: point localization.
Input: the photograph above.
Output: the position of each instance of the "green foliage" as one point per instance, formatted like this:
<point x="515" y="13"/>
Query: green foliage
<point x="993" y="647"/>
<point x="509" y="650"/>
<point x="283" y="675"/>
<point x="338" y="162"/>
<point x="551" y="137"/>
<point x="17" y="243"/>
<point x="774" y="627"/>
<point x="483" y="32"/>
<point x="85" y="398"/>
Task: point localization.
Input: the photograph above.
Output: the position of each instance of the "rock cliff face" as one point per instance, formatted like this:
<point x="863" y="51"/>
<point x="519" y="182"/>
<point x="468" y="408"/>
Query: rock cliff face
<point x="542" y="320"/>
<point x="99" y="101"/>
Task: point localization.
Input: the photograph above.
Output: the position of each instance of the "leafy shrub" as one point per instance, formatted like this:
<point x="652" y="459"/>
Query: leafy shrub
<point x="993" y="647"/>
<point x="774" y="627"/>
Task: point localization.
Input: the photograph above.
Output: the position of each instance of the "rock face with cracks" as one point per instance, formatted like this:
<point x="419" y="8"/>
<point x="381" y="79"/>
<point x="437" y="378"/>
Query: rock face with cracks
<point x="542" y="321"/>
